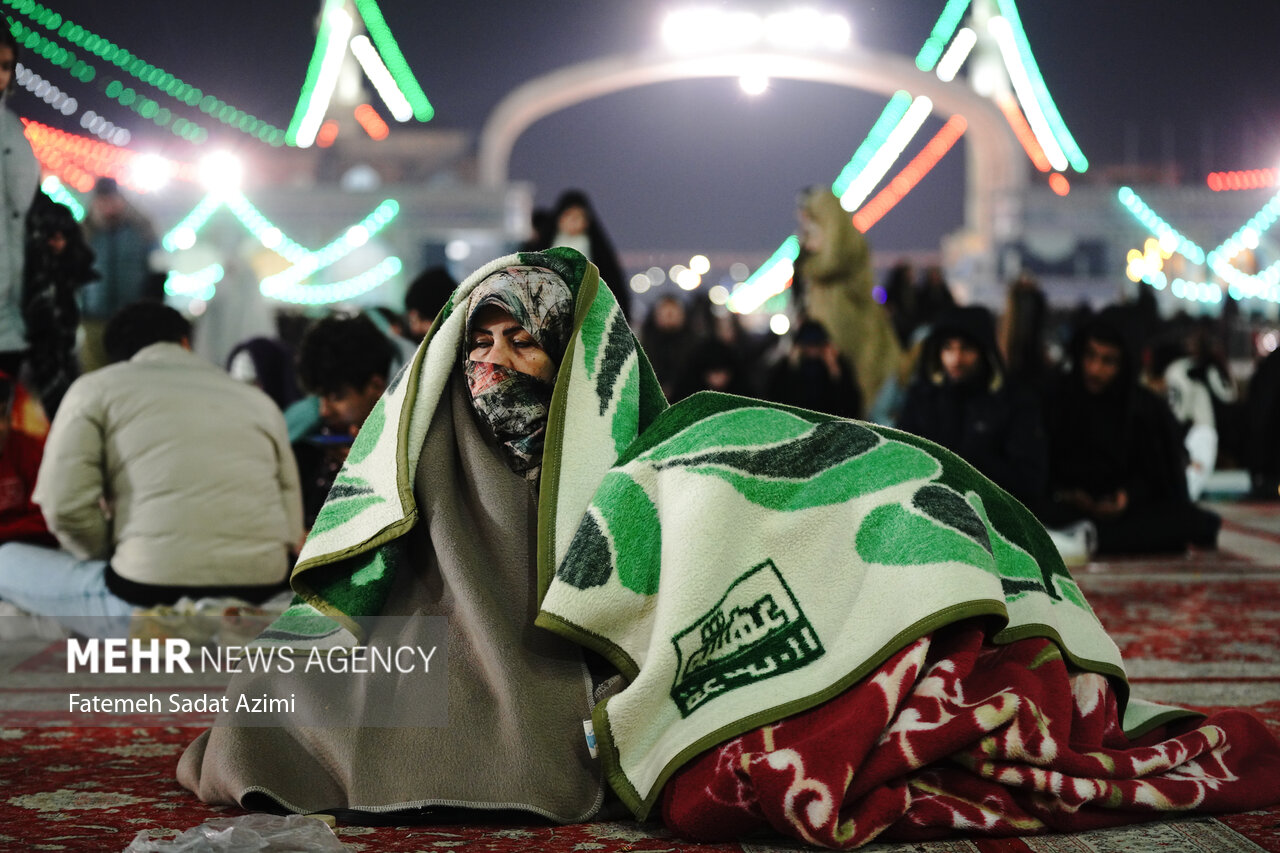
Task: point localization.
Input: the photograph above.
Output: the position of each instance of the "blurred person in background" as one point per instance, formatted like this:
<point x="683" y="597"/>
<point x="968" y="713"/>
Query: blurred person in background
<point x="19" y="179"/>
<point x="1115" y="452"/>
<point x="835" y="265"/>
<point x="578" y="226"/>
<point x="669" y="339"/>
<point x="963" y="400"/>
<point x="122" y="239"/>
<point x="424" y="298"/>
<point x="813" y="375"/>
<point x="1023" y="332"/>
<point x="267" y="364"/>
<point x="344" y="363"/>
<point x="58" y="263"/>
<point x="163" y="478"/>
<point x="933" y="296"/>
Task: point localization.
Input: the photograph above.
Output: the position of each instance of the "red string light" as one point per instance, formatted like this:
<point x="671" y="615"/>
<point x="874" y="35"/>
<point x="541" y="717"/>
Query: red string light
<point x="911" y="174"/>
<point x="1059" y="183"/>
<point x="327" y="133"/>
<point x="79" y="161"/>
<point x="1248" y="179"/>
<point x="1018" y="122"/>
<point x="372" y="122"/>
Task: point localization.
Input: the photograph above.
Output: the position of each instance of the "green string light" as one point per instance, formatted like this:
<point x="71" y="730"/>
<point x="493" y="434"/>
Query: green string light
<point x="943" y="30"/>
<point x="58" y="191"/>
<point x="135" y="66"/>
<point x="287" y="286"/>
<point x="1157" y="226"/>
<point x="394" y="59"/>
<point x="354" y="237"/>
<point x="196" y="285"/>
<point x="183" y="235"/>
<point x="1009" y="11"/>
<point x="338" y="291"/>
<point x="314" y="68"/>
<point x="879" y="133"/>
<point x="48" y="49"/>
<point x="767" y="281"/>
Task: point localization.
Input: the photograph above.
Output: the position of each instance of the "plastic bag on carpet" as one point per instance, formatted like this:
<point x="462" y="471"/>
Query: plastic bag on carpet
<point x="251" y="833"/>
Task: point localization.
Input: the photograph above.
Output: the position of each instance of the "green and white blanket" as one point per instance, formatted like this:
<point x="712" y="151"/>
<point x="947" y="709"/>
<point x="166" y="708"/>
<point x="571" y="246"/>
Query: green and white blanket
<point x="736" y="560"/>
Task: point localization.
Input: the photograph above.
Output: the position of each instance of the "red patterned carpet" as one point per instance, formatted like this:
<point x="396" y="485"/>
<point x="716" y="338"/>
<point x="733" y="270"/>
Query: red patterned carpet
<point x="1201" y="631"/>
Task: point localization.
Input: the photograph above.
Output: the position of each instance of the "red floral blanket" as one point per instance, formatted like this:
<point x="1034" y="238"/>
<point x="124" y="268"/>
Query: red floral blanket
<point x="956" y="736"/>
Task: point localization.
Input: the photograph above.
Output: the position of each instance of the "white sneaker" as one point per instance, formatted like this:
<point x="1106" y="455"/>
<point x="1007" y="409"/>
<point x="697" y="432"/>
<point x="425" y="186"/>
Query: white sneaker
<point x="1076" y="543"/>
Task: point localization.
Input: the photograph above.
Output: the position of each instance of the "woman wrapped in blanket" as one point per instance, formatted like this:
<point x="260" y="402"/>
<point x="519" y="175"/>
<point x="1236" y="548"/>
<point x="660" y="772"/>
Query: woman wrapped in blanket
<point x="497" y="721"/>
<point x="827" y="629"/>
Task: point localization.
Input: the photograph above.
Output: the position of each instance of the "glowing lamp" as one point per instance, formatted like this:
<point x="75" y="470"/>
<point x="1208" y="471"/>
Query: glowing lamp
<point x="221" y="172"/>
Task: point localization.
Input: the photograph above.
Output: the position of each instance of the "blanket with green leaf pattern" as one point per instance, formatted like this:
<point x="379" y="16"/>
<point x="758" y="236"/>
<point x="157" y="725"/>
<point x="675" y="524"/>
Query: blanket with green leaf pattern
<point x="737" y="561"/>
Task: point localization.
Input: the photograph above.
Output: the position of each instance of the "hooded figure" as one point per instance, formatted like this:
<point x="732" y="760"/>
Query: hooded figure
<point x="963" y="401"/>
<point x="19" y="180"/>
<point x="1115" y="450"/>
<point x="737" y="563"/>
<point x="835" y="266"/>
<point x="508" y="734"/>
<point x="58" y="263"/>
<point x="574" y="223"/>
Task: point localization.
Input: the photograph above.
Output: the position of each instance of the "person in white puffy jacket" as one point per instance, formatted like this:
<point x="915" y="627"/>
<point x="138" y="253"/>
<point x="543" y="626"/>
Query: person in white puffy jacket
<point x="162" y="478"/>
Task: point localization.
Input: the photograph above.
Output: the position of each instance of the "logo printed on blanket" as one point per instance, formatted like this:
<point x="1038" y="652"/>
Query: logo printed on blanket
<point x="756" y="631"/>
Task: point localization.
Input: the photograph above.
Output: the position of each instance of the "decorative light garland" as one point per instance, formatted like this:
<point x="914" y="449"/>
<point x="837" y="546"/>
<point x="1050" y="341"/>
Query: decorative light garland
<point x="885" y="156"/>
<point x="323" y="294"/>
<point x="1027" y="62"/>
<point x="353" y="238"/>
<point x="286" y="286"/>
<point x="1019" y="60"/>
<point x="1157" y="226"/>
<point x="372" y="123"/>
<point x="138" y="68"/>
<point x="374" y="68"/>
<point x="770" y="279"/>
<point x="78" y="160"/>
<point x="1003" y="32"/>
<point x="44" y="90"/>
<point x="1022" y="131"/>
<point x="47" y="48"/>
<point x="197" y="285"/>
<point x="395" y="61"/>
<point x="943" y="28"/>
<point x="1250" y="179"/>
<point x="911" y="174"/>
<point x="322" y="74"/>
<point x="58" y="191"/>
<point x="889" y="118"/>
<point x="1241" y="285"/>
<point x="961" y="46"/>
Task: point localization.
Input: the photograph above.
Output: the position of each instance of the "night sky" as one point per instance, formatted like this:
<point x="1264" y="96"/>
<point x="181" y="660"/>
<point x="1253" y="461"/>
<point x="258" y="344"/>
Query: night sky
<point x="700" y="166"/>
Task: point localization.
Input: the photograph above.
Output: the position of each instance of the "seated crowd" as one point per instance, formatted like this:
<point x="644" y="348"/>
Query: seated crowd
<point x="127" y="508"/>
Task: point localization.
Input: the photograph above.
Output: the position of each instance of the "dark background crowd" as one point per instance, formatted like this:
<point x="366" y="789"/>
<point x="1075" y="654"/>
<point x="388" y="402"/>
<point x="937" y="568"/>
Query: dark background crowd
<point x="1107" y="424"/>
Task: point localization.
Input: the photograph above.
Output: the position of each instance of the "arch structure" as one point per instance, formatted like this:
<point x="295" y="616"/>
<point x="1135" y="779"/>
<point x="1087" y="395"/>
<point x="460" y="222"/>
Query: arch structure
<point x="995" y="169"/>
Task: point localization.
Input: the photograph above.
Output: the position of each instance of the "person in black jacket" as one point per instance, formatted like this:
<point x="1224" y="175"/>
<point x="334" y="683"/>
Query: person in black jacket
<point x="963" y="400"/>
<point x="1115" y="451"/>
<point x="814" y="376"/>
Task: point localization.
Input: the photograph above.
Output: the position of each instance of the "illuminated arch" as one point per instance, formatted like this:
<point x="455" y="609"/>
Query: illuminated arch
<point x="995" y="171"/>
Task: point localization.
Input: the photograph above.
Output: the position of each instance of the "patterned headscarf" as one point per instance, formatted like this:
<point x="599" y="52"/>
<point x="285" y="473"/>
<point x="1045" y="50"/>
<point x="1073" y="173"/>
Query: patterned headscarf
<point x="514" y="405"/>
<point x="537" y="298"/>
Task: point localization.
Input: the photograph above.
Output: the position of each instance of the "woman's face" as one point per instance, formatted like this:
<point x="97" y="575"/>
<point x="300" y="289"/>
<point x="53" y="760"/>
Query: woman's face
<point x="573" y="221"/>
<point x="7" y="62"/>
<point x="496" y="338"/>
